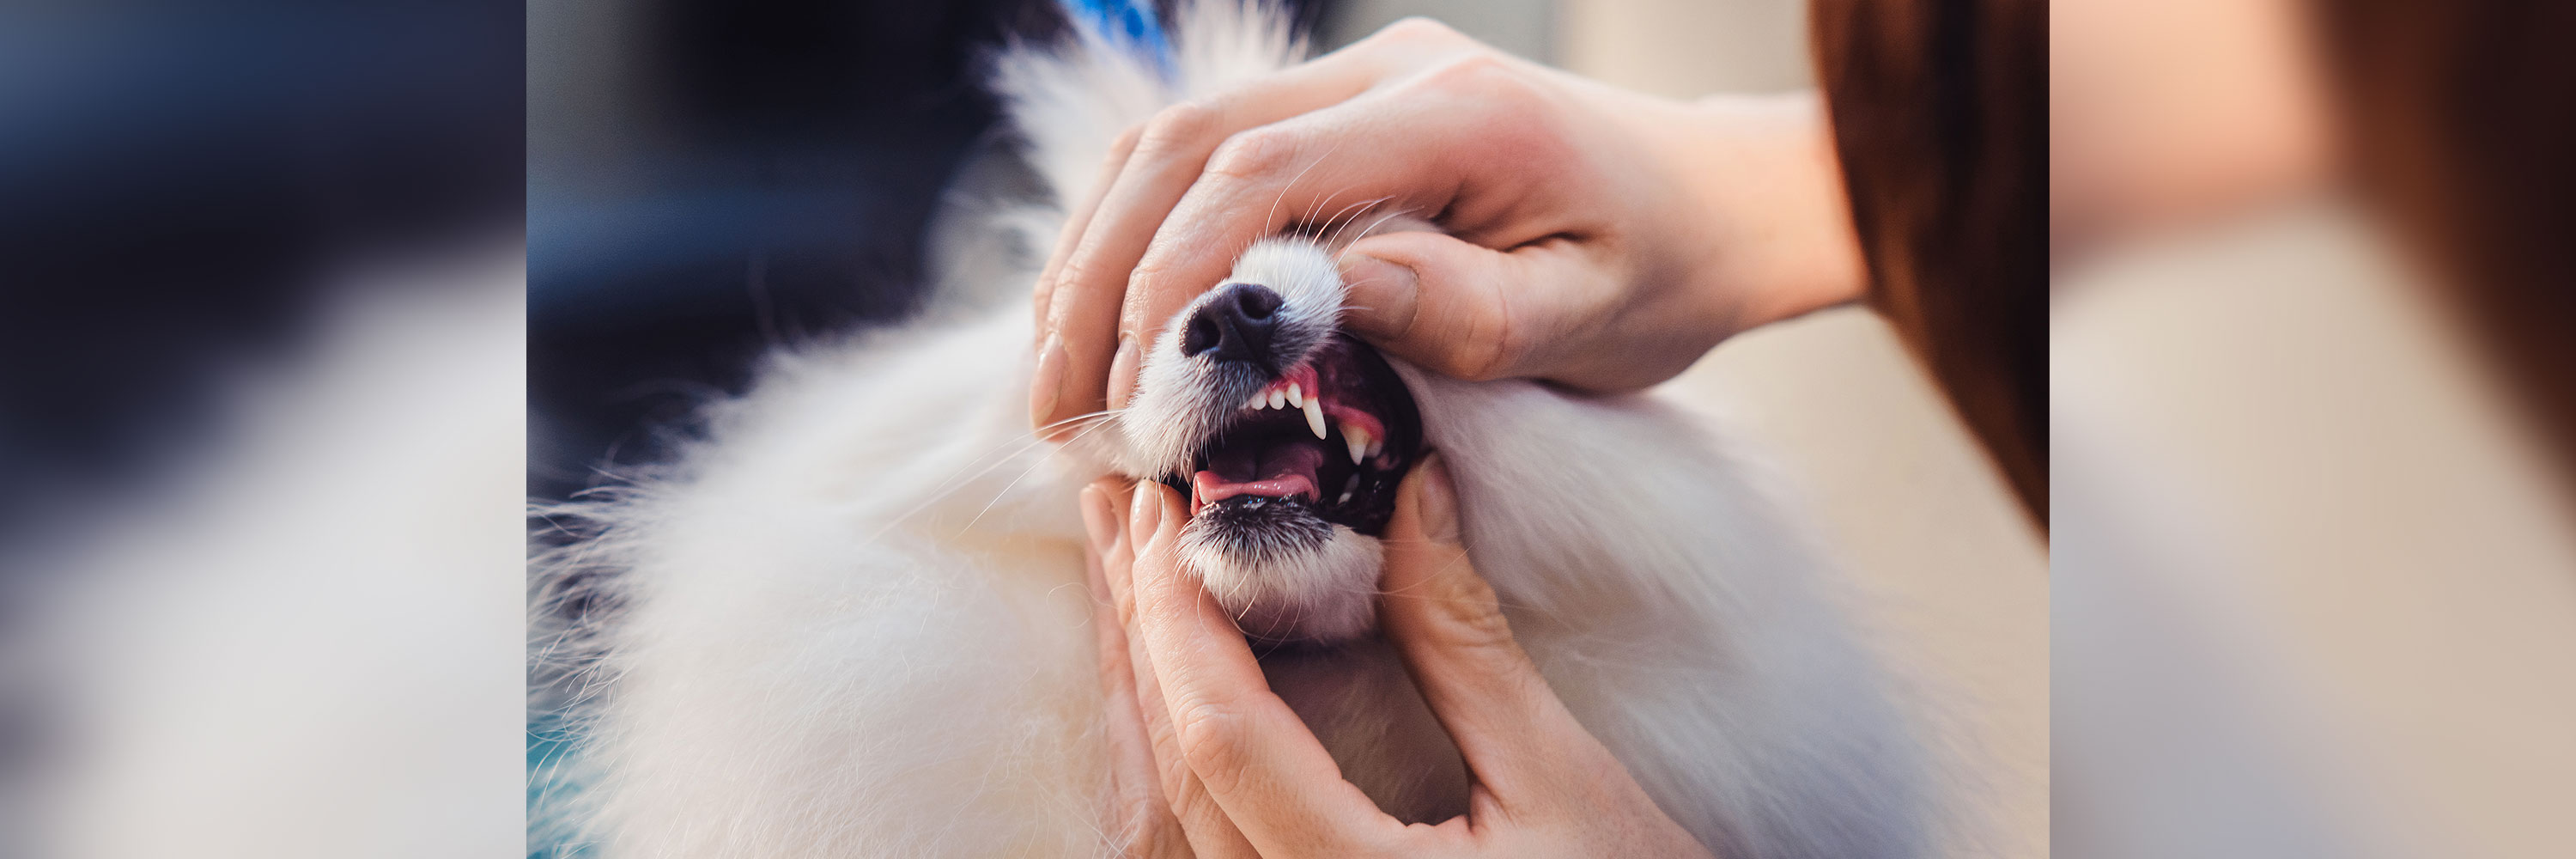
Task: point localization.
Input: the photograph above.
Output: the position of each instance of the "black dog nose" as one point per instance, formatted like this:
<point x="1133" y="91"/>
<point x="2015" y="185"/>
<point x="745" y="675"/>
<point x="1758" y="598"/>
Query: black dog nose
<point x="1234" y="325"/>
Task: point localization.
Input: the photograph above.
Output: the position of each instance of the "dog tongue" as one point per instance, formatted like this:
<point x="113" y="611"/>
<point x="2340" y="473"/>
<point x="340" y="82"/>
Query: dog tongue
<point x="1282" y="470"/>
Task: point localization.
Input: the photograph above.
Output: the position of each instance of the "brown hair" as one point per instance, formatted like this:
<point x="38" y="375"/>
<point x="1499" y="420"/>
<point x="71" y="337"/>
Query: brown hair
<point x="2460" y="118"/>
<point x="1940" y="113"/>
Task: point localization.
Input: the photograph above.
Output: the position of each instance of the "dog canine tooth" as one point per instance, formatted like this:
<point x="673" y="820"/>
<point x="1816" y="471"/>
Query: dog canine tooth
<point x="1358" y="441"/>
<point x="1315" y="415"/>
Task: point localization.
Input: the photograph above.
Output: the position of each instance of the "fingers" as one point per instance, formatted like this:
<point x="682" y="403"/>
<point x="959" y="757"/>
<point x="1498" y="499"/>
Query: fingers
<point x="1452" y="141"/>
<point x="1085" y="285"/>
<point x="1247" y="750"/>
<point x="1047" y="379"/>
<point x="1140" y="821"/>
<point x="1240" y="772"/>
<point x="1266" y="179"/>
<point x="1475" y="313"/>
<point x="1517" y="737"/>
<point x="1161" y="809"/>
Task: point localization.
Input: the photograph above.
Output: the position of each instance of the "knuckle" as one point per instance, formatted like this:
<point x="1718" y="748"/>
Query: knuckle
<point x="1124" y="145"/>
<point x="1482" y="628"/>
<point x="1416" y="29"/>
<point x="1122" y="600"/>
<point x="1145" y="280"/>
<point x="1210" y="737"/>
<point x="1176" y="129"/>
<point x="1252" y="154"/>
<point x="1172" y="774"/>
<point x="1481" y="75"/>
<point x="1473" y="619"/>
<point x="1193" y="805"/>
<point x="1042" y="299"/>
<point x="1485" y="350"/>
<point x="1479" y="361"/>
<point x="1151" y="601"/>
<point x="1076" y="277"/>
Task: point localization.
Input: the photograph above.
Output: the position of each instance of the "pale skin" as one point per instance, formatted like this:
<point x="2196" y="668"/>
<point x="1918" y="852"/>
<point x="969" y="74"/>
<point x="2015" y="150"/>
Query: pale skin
<point x="1206" y="761"/>
<point x="1599" y="238"/>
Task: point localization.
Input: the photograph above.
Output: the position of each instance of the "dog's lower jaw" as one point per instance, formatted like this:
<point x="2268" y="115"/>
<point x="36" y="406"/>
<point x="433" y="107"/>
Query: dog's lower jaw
<point x="1324" y="593"/>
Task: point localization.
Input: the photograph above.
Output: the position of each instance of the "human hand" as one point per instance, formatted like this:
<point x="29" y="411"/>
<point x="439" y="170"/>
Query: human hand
<point x="1206" y="761"/>
<point x="1602" y="238"/>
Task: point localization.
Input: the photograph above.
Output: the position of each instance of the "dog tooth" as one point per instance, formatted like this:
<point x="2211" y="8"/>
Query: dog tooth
<point x="1346" y="497"/>
<point x="1376" y="446"/>
<point x="1278" y="397"/>
<point x="1296" y="395"/>
<point x="1358" y="440"/>
<point x="1257" y="401"/>
<point x="1315" y="416"/>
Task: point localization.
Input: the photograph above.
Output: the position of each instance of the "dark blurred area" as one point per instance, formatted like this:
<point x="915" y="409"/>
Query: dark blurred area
<point x="710" y="179"/>
<point x="260" y="265"/>
<point x="180" y="183"/>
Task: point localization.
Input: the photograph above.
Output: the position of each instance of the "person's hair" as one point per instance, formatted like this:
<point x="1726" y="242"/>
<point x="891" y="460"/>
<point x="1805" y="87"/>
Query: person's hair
<point x="1940" y="119"/>
<point x="2460" y="121"/>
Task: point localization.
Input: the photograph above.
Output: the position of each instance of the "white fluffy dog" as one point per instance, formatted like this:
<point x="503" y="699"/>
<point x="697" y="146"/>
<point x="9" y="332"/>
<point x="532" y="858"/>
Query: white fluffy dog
<point x="852" y="619"/>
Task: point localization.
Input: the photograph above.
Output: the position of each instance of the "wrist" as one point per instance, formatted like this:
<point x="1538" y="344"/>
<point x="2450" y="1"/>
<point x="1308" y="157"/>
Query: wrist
<point x="1777" y="238"/>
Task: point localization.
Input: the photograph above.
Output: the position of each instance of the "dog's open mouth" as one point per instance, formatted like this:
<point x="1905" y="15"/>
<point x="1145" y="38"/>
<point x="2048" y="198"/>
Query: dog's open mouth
<point x="1331" y="437"/>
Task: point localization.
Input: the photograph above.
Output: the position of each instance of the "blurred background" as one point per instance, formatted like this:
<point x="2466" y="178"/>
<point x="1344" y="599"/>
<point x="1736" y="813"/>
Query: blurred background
<point x="2314" y="587"/>
<point x="261" y="543"/>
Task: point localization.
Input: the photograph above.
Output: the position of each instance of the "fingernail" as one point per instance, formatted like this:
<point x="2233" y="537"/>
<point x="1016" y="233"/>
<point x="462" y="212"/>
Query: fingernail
<point x="1099" y="518"/>
<point x="1146" y="515"/>
<point x="1122" y="371"/>
<point x="1381" y="293"/>
<point x="1046" y="381"/>
<point x="1435" y="500"/>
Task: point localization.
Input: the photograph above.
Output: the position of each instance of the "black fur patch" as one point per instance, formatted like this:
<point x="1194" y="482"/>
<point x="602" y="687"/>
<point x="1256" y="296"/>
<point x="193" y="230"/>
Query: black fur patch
<point x="1259" y="529"/>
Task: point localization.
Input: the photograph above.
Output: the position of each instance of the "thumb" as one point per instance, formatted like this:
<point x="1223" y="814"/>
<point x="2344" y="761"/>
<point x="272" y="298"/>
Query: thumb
<point x="1449" y="626"/>
<point x="1465" y="310"/>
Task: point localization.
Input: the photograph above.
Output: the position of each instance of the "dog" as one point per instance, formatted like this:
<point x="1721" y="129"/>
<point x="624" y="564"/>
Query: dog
<point x="850" y="617"/>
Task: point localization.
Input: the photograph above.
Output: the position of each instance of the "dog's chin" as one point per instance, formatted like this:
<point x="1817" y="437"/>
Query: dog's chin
<point x="1284" y="573"/>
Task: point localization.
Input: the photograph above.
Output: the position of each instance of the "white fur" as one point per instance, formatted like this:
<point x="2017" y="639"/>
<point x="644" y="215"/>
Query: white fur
<point x="852" y="620"/>
<point x="1172" y="411"/>
<point x="1327" y="594"/>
